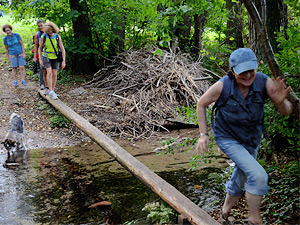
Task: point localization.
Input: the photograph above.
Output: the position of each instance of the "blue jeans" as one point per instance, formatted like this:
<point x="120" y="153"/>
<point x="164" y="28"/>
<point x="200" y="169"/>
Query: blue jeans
<point x="248" y="175"/>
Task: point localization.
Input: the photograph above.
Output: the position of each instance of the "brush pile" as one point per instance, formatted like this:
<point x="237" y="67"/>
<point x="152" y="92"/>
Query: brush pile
<point x="146" y="88"/>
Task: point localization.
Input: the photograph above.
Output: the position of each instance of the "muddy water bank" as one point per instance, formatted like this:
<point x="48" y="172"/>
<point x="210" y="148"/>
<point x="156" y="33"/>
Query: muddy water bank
<point x="57" y="185"/>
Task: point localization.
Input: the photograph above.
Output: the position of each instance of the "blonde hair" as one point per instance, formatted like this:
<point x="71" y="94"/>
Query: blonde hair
<point x="51" y="26"/>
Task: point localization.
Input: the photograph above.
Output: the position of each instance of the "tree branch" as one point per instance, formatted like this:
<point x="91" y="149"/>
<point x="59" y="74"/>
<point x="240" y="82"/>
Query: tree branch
<point x="268" y="51"/>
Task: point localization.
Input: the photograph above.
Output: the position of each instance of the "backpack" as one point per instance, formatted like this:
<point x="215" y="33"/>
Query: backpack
<point x="259" y="81"/>
<point x="39" y="34"/>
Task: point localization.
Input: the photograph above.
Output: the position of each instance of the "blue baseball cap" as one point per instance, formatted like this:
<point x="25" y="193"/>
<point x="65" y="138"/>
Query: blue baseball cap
<point x="242" y="59"/>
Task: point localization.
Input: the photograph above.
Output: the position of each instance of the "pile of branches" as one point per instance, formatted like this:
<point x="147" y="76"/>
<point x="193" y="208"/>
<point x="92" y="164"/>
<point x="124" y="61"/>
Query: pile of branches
<point x="147" y="88"/>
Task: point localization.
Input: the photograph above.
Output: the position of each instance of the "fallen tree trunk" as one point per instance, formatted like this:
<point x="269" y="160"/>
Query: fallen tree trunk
<point x="167" y="192"/>
<point x="268" y="51"/>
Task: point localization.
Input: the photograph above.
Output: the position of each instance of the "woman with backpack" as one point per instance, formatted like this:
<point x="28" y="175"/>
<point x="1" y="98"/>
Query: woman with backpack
<point x="15" y="53"/>
<point x="237" y="126"/>
<point x="50" y="48"/>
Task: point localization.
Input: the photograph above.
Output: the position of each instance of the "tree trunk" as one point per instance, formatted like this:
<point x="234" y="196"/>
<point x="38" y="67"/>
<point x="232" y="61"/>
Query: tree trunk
<point x="183" y="31"/>
<point x="268" y="51"/>
<point x="117" y="43"/>
<point x="273" y="14"/>
<point x="276" y="19"/>
<point x="199" y="22"/>
<point x="82" y="62"/>
<point x="234" y="25"/>
<point x="253" y="39"/>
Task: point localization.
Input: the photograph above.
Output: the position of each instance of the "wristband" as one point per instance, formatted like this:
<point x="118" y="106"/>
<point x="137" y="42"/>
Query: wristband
<point x="203" y="134"/>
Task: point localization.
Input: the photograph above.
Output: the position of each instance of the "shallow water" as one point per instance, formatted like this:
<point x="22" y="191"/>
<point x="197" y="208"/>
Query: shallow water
<point x="56" y="186"/>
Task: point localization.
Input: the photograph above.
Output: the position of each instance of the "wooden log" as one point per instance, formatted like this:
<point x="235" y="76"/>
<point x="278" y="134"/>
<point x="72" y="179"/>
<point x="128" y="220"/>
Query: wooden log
<point x="167" y="192"/>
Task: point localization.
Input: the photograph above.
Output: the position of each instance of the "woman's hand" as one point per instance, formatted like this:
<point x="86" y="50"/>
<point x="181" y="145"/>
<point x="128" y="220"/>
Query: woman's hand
<point x="278" y="94"/>
<point x="23" y="54"/>
<point x="41" y="63"/>
<point x="202" y="144"/>
<point x="63" y="64"/>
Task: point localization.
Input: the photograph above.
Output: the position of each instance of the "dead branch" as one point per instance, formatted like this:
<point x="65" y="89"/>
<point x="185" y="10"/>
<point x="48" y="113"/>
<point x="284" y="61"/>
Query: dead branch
<point x="148" y="89"/>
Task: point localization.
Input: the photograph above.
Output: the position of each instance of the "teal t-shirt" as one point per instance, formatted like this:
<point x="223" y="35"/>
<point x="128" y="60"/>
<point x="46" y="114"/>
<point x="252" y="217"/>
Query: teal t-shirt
<point x="13" y="43"/>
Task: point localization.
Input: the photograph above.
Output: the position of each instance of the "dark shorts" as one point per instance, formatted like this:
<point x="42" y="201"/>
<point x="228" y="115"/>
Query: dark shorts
<point x="50" y="63"/>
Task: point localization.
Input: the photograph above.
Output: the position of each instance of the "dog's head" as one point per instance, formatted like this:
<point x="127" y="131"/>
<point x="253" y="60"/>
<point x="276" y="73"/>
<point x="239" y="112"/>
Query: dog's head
<point x="8" y="144"/>
<point x="13" y="115"/>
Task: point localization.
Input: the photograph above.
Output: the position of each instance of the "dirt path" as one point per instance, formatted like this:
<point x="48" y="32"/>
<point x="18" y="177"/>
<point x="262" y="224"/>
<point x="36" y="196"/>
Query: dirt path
<point x="25" y="101"/>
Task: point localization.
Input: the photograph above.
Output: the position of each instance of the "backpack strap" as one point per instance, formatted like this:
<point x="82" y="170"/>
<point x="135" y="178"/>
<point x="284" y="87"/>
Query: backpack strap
<point x="261" y="84"/>
<point x="226" y="90"/>
<point x="44" y="40"/>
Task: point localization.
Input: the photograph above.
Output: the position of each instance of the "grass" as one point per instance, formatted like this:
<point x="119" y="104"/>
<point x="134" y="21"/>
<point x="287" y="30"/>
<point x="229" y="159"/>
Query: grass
<point x="26" y="31"/>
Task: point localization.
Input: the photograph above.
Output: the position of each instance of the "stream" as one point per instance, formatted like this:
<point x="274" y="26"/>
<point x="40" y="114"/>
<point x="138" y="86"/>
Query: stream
<point x="57" y="185"/>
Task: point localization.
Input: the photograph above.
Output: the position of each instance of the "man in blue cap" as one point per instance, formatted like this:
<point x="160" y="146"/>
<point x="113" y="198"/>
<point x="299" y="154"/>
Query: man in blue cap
<point x="237" y="126"/>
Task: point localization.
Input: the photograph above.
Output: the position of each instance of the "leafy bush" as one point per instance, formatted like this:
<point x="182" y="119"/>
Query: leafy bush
<point x="282" y="203"/>
<point x="66" y="77"/>
<point x="59" y="121"/>
<point x="160" y="213"/>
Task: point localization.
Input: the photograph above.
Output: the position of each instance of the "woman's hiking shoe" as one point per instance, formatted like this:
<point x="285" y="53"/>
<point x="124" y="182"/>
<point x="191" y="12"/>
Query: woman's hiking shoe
<point x="15" y="83"/>
<point x="227" y="219"/>
<point x="52" y="95"/>
<point x="42" y="87"/>
<point x="23" y="82"/>
<point x="46" y="91"/>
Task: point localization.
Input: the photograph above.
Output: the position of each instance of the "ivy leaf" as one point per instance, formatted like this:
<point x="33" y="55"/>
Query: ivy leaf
<point x="158" y="51"/>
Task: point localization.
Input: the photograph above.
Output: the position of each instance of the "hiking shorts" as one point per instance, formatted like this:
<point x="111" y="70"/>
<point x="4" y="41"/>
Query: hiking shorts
<point x="17" y="60"/>
<point x="50" y="63"/>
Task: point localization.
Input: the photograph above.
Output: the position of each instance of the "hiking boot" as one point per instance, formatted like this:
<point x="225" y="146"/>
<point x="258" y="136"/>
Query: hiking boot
<point x="42" y="87"/>
<point x="23" y="82"/>
<point x="15" y="83"/>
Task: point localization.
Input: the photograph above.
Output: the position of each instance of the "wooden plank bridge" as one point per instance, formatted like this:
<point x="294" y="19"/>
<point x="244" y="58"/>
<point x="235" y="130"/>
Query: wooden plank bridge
<point x="193" y="213"/>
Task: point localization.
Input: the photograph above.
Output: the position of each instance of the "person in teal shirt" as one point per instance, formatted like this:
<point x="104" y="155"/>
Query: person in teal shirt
<point x="15" y="52"/>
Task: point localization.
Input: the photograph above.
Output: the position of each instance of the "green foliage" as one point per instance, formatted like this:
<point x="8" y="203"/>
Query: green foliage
<point x="56" y="119"/>
<point x="282" y="202"/>
<point x="160" y="213"/>
<point x="42" y="106"/>
<point x="26" y="32"/>
<point x="218" y="180"/>
<point x="171" y="144"/>
<point x="59" y="121"/>
<point x="288" y="55"/>
<point x="284" y="133"/>
<point x="188" y="114"/>
<point x="66" y="77"/>
<point x="196" y="159"/>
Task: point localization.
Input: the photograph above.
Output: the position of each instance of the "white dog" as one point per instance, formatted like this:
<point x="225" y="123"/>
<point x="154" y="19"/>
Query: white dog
<point x="15" y="136"/>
